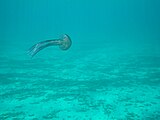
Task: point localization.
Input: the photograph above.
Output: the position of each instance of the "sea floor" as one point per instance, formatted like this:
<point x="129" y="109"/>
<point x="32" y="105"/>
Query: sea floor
<point x="88" y="85"/>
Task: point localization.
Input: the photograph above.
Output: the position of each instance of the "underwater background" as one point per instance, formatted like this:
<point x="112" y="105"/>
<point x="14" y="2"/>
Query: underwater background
<point x="111" y="71"/>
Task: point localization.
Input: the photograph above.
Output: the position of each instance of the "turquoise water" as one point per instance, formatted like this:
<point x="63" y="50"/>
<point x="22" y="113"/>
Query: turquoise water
<point x="111" y="71"/>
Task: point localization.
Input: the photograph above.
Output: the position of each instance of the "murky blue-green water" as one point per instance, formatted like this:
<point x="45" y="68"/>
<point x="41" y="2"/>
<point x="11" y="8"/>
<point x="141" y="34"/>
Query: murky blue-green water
<point x="111" y="71"/>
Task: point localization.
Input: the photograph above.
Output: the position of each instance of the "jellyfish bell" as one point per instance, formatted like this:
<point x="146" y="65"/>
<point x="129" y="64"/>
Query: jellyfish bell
<point x="65" y="43"/>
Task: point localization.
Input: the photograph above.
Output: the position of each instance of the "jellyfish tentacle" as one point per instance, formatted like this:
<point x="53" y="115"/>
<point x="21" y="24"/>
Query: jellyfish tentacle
<point x="41" y="45"/>
<point x="63" y="43"/>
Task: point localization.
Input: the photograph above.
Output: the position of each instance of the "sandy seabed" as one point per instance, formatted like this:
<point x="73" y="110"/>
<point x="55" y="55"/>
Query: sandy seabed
<point x="81" y="87"/>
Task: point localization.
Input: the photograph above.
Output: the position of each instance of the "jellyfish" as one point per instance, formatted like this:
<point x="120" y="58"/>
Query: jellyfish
<point x="64" y="43"/>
